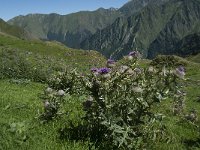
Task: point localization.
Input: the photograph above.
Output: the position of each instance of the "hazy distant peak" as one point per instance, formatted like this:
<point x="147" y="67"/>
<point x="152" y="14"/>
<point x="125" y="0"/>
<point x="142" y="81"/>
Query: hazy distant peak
<point x="113" y="9"/>
<point x="101" y="9"/>
<point x="109" y="9"/>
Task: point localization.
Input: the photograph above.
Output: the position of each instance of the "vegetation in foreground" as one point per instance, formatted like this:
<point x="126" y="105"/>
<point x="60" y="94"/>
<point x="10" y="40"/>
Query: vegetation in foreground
<point x="22" y="128"/>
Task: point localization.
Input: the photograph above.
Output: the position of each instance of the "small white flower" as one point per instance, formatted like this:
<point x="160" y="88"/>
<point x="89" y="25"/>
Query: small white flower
<point x="61" y="93"/>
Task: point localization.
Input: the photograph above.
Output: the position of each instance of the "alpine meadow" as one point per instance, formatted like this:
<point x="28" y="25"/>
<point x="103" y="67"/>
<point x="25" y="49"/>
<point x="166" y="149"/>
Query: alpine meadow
<point x="110" y="78"/>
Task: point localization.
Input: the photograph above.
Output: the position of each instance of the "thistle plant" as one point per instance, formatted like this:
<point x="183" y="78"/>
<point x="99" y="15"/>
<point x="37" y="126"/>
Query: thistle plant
<point x="121" y="96"/>
<point x="119" y="107"/>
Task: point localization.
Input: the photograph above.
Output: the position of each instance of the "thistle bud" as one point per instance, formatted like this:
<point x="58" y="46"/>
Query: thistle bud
<point x="46" y="104"/>
<point x="110" y="63"/>
<point x="123" y="69"/>
<point x="138" y="70"/>
<point x="106" y="76"/>
<point x="61" y="93"/>
<point x="137" y="89"/>
<point x="49" y="90"/>
<point x="130" y="72"/>
<point x="151" y="69"/>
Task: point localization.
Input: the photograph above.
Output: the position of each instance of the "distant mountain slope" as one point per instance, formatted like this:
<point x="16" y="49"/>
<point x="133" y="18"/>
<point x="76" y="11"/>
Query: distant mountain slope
<point x="5" y="28"/>
<point x="138" y="30"/>
<point x="184" y="23"/>
<point x="69" y="29"/>
<point x="74" y="28"/>
<point x="133" y="6"/>
<point x="156" y="29"/>
<point x="189" y="45"/>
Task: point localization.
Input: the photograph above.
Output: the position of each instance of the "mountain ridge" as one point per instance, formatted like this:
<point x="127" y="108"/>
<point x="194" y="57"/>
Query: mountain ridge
<point x="151" y="26"/>
<point x="72" y="29"/>
<point x="143" y="29"/>
<point x="134" y="27"/>
<point x="182" y="24"/>
<point x="69" y="29"/>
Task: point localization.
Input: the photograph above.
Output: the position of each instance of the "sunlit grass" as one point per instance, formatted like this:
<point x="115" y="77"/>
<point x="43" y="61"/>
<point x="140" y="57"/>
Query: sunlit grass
<point x="20" y="105"/>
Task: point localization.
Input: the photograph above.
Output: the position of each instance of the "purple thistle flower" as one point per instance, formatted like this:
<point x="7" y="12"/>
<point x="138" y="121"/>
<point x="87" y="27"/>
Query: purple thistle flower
<point x="180" y="72"/>
<point x="181" y="68"/>
<point x="104" y="70"/>
<point x="132" y="53"/>
<point x="94" y="70"/>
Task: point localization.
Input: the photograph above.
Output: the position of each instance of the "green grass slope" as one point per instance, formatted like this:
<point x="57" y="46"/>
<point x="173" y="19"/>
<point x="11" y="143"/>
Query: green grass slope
<point x="19" y="57"/>
<point x="5" y="28"/>
<point x="53" y="49"/>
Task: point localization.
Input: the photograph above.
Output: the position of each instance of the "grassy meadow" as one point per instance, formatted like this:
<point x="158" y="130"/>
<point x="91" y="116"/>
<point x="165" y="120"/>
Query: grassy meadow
<point x="25" y="67"/>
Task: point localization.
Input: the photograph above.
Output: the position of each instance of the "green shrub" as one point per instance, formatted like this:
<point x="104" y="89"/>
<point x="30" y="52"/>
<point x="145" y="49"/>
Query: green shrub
<point x="26" y="65"/>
